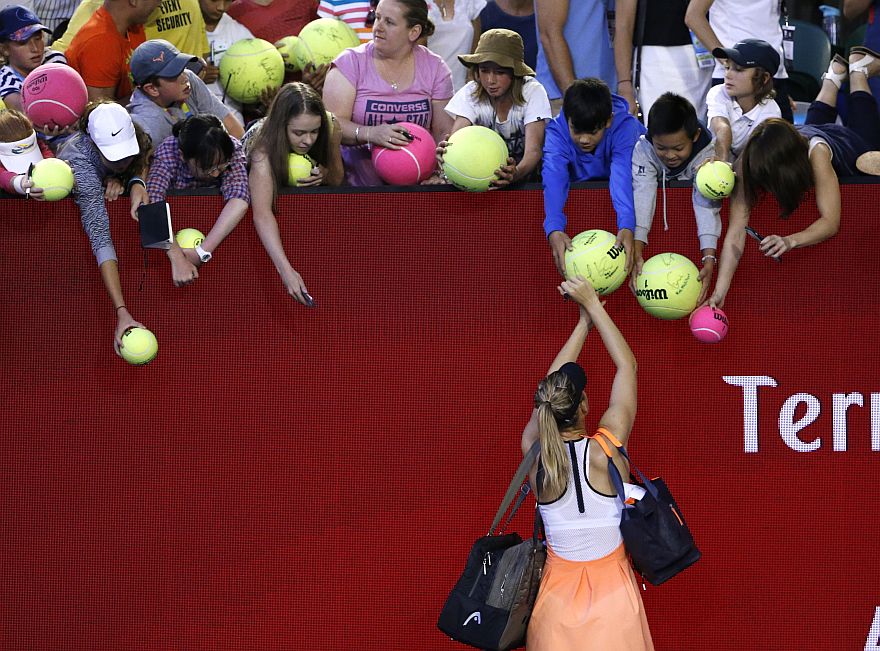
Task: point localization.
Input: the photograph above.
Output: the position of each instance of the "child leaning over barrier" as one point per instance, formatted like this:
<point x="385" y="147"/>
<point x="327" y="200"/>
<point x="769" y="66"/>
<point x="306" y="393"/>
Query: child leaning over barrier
<point x="107" y="145"/>
<point x="297" y="123"/>
<point x="504" y="96"/>
<point x="201" y="154"/>
<point x="787" y="161"/>
<point x="592" y="138"/>
<point x="675" y="146"/>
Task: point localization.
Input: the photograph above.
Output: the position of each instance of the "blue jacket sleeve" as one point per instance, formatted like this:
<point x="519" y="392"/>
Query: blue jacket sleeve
<point x="621" y="183"/>
<point x="555" y="176"/>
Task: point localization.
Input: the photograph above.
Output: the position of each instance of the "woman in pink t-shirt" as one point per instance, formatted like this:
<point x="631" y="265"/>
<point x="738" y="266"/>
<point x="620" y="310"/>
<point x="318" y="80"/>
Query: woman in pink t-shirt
<point x="374" y="88"/>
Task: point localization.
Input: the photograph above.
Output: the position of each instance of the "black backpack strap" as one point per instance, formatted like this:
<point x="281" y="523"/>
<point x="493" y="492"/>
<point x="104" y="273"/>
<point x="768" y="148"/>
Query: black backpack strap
<point x="515" y="483"/>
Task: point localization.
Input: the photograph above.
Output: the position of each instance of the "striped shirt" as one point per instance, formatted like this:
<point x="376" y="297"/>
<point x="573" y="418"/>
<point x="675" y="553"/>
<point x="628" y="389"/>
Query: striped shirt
<point x="353" y="12"/>
<point x="89" y="173"/>
<point x="54" y="12"/>
<point x="11" y="80"/>
<point x="170" y="171"/>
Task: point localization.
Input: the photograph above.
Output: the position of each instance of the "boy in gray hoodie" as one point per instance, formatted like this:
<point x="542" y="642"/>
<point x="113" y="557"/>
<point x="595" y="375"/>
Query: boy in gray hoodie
<point x="675" y="147"/>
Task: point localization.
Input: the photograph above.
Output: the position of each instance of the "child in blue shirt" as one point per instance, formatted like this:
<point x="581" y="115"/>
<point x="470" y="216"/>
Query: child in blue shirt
<point x="591" y="138"/>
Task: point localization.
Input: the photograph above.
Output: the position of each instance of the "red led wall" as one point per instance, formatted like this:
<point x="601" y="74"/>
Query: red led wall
<point x="285" y="478"/>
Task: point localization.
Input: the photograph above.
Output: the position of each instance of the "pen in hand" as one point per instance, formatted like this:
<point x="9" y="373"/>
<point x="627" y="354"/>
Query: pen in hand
<point x="27" y="190"/>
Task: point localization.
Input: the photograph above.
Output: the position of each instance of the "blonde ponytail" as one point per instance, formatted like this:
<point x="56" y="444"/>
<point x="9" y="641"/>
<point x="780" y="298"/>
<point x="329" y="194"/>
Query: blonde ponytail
<point x="552" y="452"/>
<point x="555" y="398"/>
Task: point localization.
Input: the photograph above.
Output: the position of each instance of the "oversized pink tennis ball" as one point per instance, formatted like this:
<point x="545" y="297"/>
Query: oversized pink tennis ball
<point x="410" y="165"/>
<point x="709" y="324"/>
<point x="54" y="94"/>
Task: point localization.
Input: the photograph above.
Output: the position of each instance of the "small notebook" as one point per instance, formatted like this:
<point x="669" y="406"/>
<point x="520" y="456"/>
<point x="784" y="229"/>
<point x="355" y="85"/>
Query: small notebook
<point x="155" y="225"/>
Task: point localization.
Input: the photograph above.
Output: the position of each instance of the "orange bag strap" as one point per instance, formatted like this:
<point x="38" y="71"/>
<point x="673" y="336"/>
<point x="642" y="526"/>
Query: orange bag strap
<point x="600" y="435"/>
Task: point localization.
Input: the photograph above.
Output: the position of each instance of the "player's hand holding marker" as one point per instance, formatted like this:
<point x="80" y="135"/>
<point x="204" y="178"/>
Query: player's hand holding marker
<point x="580" y="290"/>
<point x="584" y="294"/>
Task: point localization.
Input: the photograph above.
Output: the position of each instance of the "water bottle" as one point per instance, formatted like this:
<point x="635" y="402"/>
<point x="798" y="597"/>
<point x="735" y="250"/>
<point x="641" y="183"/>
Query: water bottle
<point x="831" y="23"/>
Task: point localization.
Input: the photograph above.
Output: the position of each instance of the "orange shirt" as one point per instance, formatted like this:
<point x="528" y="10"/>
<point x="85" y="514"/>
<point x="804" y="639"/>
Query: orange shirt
<point x="101" y="54"/>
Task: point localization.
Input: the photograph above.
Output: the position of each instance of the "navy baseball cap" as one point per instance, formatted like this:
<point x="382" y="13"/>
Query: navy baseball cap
<point x="750" y="53"/>
<point x="19" y="23"/>
<point x="158" y="58"/>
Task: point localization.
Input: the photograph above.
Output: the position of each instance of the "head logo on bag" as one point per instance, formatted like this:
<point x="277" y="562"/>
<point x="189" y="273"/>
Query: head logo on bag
<point x="473" y="616"/>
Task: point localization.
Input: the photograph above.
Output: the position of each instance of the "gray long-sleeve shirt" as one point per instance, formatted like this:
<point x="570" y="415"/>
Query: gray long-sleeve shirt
<point x="89" y="173"/>
<point x="648" y="171"/>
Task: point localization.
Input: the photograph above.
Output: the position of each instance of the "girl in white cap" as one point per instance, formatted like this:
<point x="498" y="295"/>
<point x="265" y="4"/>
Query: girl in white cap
<point x="108" y="145"/>
<point x="504" y="96"/>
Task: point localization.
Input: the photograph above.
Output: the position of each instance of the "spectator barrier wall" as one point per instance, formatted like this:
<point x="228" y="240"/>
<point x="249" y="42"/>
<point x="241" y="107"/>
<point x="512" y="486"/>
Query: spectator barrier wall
<point x="287" y="478"/>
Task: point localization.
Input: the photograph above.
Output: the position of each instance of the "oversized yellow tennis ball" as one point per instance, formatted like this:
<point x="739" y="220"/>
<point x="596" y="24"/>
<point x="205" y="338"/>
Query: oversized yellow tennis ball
<point x="250" y="66"/>
<point x="54" y="176"/>
<point x="595" y="257"/>
<point x="668" y="286"/>
<point x="472" y="156"/>
<point x="715" y="180"/>
<point x="298" y="167"/>
<point x="2" y="104"/>
<point x="139" y="346"/>
<point x="323" y="40"/>
<point x="285" y="47"/>
<point x="189" y="238"/>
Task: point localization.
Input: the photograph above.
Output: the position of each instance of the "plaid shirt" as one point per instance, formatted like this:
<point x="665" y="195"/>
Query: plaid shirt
<point x="170" y="171"/>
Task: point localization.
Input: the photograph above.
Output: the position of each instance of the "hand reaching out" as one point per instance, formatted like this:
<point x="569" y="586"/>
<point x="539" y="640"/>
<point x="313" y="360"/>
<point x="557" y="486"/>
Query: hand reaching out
<point x="625" y="240"/>
<point x="114" y="189"/>
<point x="559" y="244"/>
<point x="124" y="322"/>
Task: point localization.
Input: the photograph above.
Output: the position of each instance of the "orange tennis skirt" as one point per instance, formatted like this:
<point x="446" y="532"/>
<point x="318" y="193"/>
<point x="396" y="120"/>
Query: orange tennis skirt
<point x="584" y="605"/>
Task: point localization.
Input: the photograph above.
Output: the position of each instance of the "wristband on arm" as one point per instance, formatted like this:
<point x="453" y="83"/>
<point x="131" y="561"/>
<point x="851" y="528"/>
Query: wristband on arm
<point x="132" y="181"/>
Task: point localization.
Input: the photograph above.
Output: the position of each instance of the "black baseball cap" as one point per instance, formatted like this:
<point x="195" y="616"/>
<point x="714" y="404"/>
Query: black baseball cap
<point x="750" y="53"/>
<point x="578" y="377"/>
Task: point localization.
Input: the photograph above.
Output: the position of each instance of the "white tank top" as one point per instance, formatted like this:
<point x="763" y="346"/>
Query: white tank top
<point x="583" y="524"/>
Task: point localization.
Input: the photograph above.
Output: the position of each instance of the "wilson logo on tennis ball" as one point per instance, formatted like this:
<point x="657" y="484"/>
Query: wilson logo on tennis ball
<point x="652" y="294"/>
<point x="595" y="256"/>
<point x="668" y="286"/>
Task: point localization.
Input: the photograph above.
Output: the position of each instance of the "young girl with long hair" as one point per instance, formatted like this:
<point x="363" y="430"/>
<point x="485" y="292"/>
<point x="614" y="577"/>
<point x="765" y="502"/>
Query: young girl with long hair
<point x="588" y="596"/>
<point x="786" y="161"/>
<point x="504" y="96"/>
<point x="298" y="123"/>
